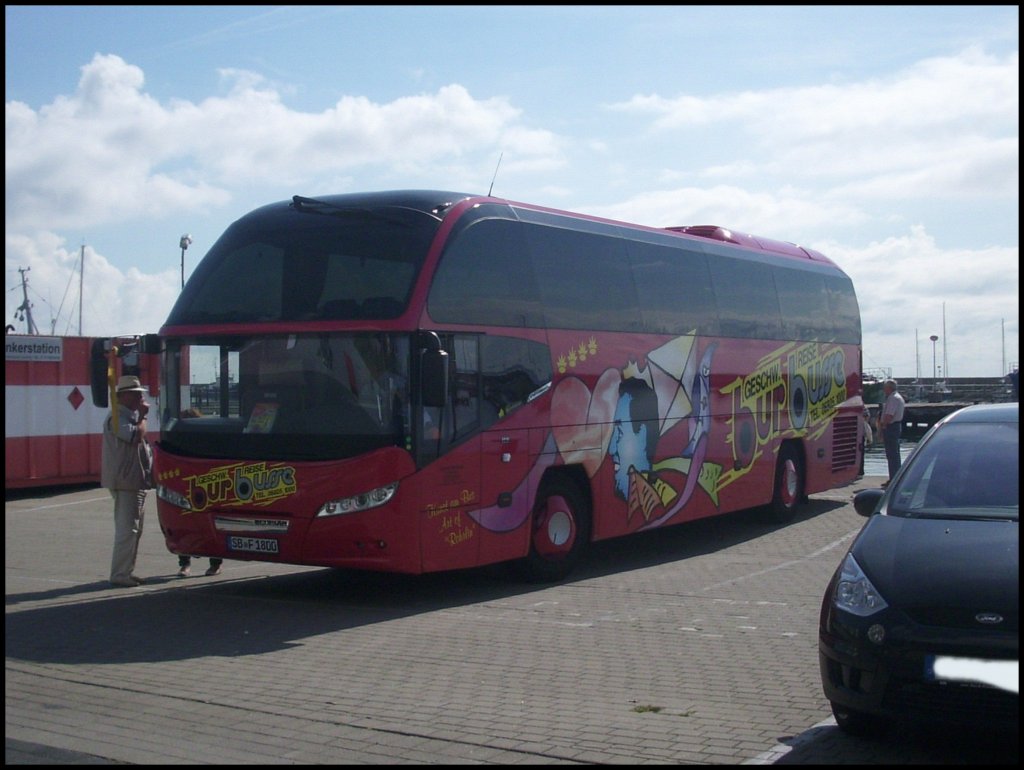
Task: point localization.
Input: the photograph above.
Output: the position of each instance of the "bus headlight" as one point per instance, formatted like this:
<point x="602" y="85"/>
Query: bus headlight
<point x="360" y="502"/>
<point x="172" y="497"/>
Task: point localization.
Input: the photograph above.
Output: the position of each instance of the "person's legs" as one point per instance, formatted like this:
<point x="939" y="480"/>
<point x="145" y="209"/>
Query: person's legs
<point x="184" y="565"/>
<point x="140" y="516"/>
<point x="128" y="515"/>
<point x="120" y="562"/>
<point x="214" y="566"/>
<point x="892" y="448"/>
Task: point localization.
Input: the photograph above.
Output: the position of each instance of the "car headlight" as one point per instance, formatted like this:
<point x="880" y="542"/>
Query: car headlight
<point x="360" y="502"/>
<point x="854" y="593"/>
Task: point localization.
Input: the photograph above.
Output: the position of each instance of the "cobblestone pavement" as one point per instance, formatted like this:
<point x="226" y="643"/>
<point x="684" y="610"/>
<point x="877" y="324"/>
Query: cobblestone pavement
<point x="690" y="645"/>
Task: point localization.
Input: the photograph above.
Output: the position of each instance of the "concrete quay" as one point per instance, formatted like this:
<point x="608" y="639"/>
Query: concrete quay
<point x="694" y="644"/>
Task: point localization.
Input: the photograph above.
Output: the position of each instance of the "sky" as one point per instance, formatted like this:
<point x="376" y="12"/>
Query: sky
<point x="886" y="137"/>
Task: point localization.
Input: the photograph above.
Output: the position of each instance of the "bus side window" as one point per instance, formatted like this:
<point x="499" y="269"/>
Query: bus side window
<point x="459" y="417"/>
<point x="512" y="369"/>
<point x="465" y="385"/>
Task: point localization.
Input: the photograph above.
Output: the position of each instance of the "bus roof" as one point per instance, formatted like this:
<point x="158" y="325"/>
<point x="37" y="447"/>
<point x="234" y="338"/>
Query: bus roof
<point x="438" y="202"/>
<point x="717" y="233"/>
<point x="433" y="202"/>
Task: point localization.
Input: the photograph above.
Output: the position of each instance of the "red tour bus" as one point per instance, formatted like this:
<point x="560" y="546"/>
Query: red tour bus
<point x="414" y="381"/>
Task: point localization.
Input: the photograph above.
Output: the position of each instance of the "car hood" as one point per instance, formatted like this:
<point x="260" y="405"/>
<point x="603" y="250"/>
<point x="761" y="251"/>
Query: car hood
<point x="924" y="562"/>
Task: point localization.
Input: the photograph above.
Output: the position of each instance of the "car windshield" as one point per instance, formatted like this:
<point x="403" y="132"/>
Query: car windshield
<point x="964" y="470"/>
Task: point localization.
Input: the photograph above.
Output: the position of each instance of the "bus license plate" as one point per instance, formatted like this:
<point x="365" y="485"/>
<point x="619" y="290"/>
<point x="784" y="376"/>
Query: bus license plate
<point x="252" y="544"/>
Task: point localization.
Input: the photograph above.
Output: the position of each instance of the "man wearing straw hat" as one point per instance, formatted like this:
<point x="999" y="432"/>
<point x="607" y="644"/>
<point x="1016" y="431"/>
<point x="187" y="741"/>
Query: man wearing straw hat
<point x="125" y="471"/>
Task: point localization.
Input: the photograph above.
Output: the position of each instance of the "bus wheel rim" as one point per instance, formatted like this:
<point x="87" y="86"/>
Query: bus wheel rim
<point x="789" y="483"/>
<point x="555" y="532"/>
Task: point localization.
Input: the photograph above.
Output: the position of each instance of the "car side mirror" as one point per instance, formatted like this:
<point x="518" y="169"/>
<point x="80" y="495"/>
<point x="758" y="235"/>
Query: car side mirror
<point x="866" y="501"/>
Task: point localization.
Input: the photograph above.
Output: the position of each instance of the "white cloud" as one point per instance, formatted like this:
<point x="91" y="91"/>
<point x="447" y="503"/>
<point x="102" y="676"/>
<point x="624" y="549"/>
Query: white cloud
<point x="979" y="168"/>
<point x="758" y="213"/>
<point x="900" y="290"/>
<point x="891" y="136"/>
<point x="792" y="163"/>
<point x="56" y="280"/>
<point x="110" y="152"/>
<point x="92" y="158"/>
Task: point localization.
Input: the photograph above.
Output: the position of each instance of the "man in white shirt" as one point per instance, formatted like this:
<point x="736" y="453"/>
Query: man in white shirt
<point x="891" y="425"/>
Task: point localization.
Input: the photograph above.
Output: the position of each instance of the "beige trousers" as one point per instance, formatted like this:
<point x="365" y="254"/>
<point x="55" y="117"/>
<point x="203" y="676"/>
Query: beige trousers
<point x="128" y="514"/>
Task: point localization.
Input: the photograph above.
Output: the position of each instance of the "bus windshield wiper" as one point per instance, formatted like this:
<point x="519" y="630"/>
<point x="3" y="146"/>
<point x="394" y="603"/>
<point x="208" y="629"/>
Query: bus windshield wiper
<point x="314" y="206"/>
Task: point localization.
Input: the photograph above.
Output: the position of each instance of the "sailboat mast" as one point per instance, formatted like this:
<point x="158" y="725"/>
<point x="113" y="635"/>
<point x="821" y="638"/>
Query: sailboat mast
<point x="81" y="282"/>
<point x="26" y="306"/>
<point x="945" y="339"/>
<point x="917" y="357"/>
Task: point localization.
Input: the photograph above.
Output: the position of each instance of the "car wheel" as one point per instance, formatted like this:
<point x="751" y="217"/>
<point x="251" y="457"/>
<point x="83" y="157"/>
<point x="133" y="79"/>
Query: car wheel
<point x="560" y="530"/>
<point x="789" y="485"/>
<point x="853" y="722"/>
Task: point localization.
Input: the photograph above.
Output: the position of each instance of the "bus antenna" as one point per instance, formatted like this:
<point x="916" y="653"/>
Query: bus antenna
<point x="495" y="174"/>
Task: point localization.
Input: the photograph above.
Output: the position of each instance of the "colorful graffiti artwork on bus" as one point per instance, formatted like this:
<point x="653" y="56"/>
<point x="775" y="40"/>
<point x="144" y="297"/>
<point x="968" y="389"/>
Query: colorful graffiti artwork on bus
<point x="625" y="418"/>
<point x="674" y="387"/>
<point x="506" y="517"/>
<point x="576" y="355"/>
<point x="794" y="391"/>
<point x="240" y="484"/>
<point x="628" y="415"/>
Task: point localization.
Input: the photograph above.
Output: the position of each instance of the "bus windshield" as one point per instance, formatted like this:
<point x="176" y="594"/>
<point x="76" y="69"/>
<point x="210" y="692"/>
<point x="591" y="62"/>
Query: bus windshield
<point x="313" y="396"/>
<point x="306" y="263"/>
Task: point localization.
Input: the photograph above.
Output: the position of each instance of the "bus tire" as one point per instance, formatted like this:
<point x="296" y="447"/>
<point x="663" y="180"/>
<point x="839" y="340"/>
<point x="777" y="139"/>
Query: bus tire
<point x="788" y="491"/>
<point x="559" y="532"/>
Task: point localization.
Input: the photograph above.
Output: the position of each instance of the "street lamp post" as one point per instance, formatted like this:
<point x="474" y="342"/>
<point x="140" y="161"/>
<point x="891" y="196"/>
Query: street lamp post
<point x="186" y="239"/>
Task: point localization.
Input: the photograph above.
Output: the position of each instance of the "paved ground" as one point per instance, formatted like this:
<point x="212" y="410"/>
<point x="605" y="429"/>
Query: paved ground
<point x="690" y="645"/>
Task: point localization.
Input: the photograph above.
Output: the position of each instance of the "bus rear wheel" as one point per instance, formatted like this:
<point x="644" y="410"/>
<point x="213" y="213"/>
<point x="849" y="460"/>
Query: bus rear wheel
<point x="560" y="530"/>
<point x="789" y="485"/>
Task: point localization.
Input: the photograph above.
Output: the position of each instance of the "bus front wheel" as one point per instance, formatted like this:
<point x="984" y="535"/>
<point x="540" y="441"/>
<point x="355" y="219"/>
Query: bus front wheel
<point x="789" y="485"/>
<point x="560" y="529"/>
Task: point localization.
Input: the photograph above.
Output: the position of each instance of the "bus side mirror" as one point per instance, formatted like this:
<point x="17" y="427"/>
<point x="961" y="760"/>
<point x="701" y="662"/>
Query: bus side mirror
<point x="151" y="344"/>
<point x="434" y="377"/>
<point x="98" y="373"/>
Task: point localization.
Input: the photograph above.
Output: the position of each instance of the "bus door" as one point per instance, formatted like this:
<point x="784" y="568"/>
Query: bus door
<point x="478" y="493"/>
<point x="450" y="486"/>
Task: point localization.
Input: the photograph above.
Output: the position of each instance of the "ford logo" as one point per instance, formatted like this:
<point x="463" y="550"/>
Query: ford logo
<point x="989" y="618"/>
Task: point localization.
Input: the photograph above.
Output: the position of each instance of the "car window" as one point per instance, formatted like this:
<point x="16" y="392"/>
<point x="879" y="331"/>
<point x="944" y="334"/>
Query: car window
<point x="965" y="469"/>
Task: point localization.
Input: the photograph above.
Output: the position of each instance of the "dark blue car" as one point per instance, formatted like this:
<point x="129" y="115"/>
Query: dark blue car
<point x="921" y="619"/>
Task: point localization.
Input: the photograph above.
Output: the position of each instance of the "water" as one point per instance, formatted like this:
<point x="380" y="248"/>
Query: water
<point x="874" y="460"/>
